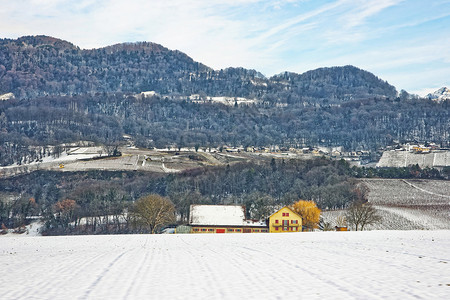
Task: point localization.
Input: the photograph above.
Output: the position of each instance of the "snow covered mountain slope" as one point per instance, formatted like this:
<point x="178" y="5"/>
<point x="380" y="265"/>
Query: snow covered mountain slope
<point x="440" y="95"/>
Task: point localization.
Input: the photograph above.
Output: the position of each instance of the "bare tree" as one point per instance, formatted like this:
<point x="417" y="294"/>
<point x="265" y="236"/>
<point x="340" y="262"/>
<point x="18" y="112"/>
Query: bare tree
<point x="361" y="214"/>
<point x="183" y="201"/>
<point x="259" y="205"/>
<point x="57" y="151"/>
<point x="111" y="149"/>
<point x="341" y="221"/>
<point x="324" y="225"/>
<point x="154" y="211"/>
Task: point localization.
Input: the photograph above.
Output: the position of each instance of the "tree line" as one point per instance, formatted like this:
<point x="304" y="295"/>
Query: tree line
<point x="29" y="125"/>
<point x="101" y="199"/>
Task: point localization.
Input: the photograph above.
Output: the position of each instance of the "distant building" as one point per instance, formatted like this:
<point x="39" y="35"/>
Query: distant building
<point x="285" y="220"/>
<point x="222" y="219"/>
<point x="341" y="228"/>
<point x="231" y="219"/>
<point x="421" y="149"/>
<point x="436" y="159"/>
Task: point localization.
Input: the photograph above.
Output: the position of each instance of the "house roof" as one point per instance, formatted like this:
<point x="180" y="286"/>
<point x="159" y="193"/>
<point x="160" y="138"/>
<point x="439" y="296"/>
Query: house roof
<point x="232" y="215"/>
<point x="287" y="208"/>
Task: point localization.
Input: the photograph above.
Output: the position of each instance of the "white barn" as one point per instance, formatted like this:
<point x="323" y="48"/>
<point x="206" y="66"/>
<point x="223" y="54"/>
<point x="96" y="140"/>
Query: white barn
<point x="222" y="219"/>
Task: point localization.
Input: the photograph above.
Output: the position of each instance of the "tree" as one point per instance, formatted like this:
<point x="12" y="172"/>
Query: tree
<point x="111" y="149"/>
<point x="325" y="226"/>
<point x="403" y="95"/>
<point x="153" y="211"/>
<point x="64" y="212"/>
<point x="341" y="221"/>
<point x="361" y="214"/>
<point x="183" y="201"/>
<point x="309" y="212"/>
<point x="259" y="205"/>
<point x="15" y="211"/>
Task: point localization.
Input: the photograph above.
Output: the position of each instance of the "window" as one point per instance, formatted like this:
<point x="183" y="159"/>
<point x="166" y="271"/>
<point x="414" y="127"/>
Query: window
<point x="276" y="221"/>
<point x="230" y="230"/>
<point x="210" y="229"/>
<point x="203" y="229"/>
<point x="294" y="229"/>
<point x="285" y="222"/>
<point x="276" y="228"/>
<point x="285" y="229"/>
<point x="284" y="214"/>
<point x="256" y="230"/>
<point x="238" y="230"/>
<point x="263" y="230"/>
<point x="294" y="221"/>
<point x="195" y="229"/>
<point x="287" y="214"/>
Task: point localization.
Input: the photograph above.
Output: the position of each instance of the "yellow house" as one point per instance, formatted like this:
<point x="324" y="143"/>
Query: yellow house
<point x="285" y="220"/>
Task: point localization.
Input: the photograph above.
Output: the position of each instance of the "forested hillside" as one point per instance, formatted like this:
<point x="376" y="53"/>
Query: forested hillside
<point x="66" y="94"/>
<point x="104" y="197"/>
<point x="260" y="186"/>
<point x="159" y="122"/>
<point x="329" y="85"/>
<point x="40" y="65"/>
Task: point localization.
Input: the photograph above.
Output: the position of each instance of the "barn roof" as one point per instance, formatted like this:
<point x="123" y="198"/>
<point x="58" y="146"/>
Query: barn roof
<point x="232" y="215"/>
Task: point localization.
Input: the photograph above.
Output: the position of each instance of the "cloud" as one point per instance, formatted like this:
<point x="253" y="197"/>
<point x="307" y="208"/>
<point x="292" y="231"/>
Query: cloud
<point x="366" y="9"/>
<point x="425" y="91"/>
<point x="298" y="20"/>
<point x="389" y="37"/>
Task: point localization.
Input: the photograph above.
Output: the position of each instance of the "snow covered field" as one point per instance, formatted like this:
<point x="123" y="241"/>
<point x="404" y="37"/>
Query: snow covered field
<point x="406" y="204"/>
<point x="318" y="265"/>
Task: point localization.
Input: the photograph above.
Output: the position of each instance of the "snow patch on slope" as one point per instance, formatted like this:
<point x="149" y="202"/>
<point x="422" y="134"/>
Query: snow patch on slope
<point x="7" y="96"/>
<point x="230" y="101"/>
<point x="440" y="95"/>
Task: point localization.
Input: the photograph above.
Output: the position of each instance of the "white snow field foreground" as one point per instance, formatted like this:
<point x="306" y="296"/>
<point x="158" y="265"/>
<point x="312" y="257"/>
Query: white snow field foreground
<point x="317" y="265"/>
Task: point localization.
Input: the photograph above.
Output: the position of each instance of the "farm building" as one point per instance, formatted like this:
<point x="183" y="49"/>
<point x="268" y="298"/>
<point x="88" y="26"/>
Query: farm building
<point x="231" y="219"/>
<point x="285" y="220"/>
<point x="222" y="219"/>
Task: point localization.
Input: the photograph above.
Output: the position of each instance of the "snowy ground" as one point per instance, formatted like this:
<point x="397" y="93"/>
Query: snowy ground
<point x="317" y="265"/>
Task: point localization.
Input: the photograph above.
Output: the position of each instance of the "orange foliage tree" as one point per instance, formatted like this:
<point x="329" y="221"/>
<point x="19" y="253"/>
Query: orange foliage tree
<point x="65" y="211"/>
<point x="309" y="212"/>
<point x="64" y="206"/>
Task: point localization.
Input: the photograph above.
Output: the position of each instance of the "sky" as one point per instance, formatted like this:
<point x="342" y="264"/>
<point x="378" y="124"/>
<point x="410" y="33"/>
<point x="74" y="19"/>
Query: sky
<point x="405" y="42"/>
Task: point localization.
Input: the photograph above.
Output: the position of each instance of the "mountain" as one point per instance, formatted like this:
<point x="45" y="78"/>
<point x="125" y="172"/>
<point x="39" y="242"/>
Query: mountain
<point x="45" y="41"/>
<point x="35" y="66"/>
<point x="440" y="95"/>
<point x="336" y="83"/>
<point x="53" y="92"/>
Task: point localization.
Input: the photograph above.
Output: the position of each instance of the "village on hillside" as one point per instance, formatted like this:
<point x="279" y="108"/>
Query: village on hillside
<point x="85" y="156"/>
